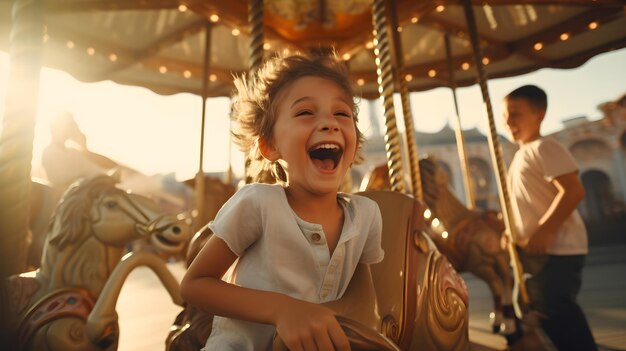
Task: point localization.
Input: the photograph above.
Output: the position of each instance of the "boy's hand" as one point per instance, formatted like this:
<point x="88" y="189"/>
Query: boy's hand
<point x="539" y="243"/>
<point x="305" y="326"/>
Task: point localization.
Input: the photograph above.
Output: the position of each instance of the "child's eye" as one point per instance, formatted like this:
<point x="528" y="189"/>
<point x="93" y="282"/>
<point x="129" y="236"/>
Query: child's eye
<point x="343" y="114"/>
<point x="304" y="113"/>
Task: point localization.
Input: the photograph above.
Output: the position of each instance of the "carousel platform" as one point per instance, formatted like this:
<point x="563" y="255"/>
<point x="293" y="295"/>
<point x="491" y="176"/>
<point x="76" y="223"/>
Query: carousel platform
<point x="146" y="311"/>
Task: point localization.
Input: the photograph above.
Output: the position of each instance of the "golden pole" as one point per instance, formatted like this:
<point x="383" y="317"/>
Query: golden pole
<point x="385" y="83"/>
<point x="411" y="144"/>
<point x="255" y="58"/>
<point x="458" y="132"/>
<point x="496" y="157"/>
<point x="200" y="186"/>
<point x="16" y="150"/>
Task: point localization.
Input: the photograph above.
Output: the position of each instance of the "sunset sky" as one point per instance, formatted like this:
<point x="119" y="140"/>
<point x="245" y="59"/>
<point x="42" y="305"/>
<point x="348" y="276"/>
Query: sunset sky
<point x="161" y="134"/>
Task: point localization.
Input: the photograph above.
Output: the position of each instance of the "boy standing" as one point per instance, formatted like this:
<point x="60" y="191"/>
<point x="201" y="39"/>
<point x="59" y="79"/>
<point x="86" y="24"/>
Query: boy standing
<point x="545" y="191"/>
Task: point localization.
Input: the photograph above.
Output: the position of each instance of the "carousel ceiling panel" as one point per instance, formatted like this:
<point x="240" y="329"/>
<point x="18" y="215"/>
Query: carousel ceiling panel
<point x="160" y="44"/>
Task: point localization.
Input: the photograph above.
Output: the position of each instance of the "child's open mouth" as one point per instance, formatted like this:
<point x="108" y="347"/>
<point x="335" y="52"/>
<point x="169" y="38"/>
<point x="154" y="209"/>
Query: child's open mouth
<point x="326" y="156"/>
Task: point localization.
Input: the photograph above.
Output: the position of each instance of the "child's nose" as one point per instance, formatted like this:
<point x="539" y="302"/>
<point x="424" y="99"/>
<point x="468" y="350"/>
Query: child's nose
<point x="329" y="123"/>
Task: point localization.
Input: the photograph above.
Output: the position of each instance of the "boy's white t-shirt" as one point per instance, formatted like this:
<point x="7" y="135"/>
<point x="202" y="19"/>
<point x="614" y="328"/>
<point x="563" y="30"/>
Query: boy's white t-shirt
<point x="280" y="252"/>
<point x="533" y="168"/>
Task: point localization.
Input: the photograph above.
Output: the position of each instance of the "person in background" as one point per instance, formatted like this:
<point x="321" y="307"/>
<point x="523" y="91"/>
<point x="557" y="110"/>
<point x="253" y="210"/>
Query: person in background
<point x="552" y="239"/>
<point x="67" y="158"/>
<point x="297" y="242"/>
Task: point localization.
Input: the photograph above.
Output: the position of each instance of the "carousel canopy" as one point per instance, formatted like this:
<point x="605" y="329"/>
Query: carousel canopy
<point x="160" y="44"/>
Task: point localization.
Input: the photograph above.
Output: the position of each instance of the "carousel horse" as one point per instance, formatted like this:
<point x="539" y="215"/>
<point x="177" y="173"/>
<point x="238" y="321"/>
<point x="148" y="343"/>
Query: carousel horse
<point x="69" y="302"/>
<point x="469" y="239"/>
<point x="412" y="300"/>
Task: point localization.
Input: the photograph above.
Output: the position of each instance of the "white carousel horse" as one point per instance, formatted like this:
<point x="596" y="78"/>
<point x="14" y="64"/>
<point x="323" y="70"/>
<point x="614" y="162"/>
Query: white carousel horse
<point x="69" y="303"/>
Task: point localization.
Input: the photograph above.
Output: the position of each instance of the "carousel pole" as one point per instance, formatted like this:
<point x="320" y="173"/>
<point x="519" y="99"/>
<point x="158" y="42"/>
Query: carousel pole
<point x="386" y="88"/>
<point x="16" y="149"/>
<point x="255" y="18"/>
<point x="411" y="143"/>
<point x="255" y="57"/>
<point x="18" y="127"/>
<point x="496" y="157"/>
<point x="199" y="182"/>
<point x="470" y="201"/>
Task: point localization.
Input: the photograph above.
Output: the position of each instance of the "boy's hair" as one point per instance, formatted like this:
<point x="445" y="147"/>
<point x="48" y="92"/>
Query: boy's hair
<point x="255" y="104"/>
<point x="534" y="95"/>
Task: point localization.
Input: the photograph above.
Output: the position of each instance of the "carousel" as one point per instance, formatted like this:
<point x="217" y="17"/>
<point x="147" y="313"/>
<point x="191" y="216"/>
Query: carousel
<point x="415" y="299"/>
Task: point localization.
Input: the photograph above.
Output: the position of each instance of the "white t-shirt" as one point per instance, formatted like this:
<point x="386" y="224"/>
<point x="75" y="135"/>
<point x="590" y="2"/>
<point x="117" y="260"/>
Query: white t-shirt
<point x="533" y="168"/>
<point x="280" y="252"/>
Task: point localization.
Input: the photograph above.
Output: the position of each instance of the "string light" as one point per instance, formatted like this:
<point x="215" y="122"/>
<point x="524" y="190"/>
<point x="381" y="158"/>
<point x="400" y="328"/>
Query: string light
<point x="214" y="18"/>
<point x="408" y="77"/>
<point x="91" y="51"/>
<point x="346" y="56"/>
<point x="564" y="36"/>
<point x="360" y="82"/>
<point x="163" y="69"/>
<point x="432" y="73"/>
<point x="399" y="29"/>
<point x="369" y="45"/>
<point x="70" y="44"/>
<point x="267" y="46"/>
<point x="235" y="32"/>
<point x="440" y="8"/>
<point x="427" y="213"/>
<point x="465" y="66"/>
<point x="187" y="74"/>
<point x="182" y="8"/>
<point x="538" y="46"/>
<point x="593" y="25"/>
<point x="414" y="19"/>
<point x="113" y="57"/>
<point x="212" y="77"/>
<point x="485" y="60"/>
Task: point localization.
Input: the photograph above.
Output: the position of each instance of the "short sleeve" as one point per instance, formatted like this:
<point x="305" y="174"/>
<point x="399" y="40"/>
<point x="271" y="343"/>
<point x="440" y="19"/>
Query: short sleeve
<point x="238" y="222"/>
<point x="373" y="251"/>
<point x="555" y="159"/>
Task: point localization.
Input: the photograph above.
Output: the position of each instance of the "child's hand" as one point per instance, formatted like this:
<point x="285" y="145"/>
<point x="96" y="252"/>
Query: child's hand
<point x="305" y="326"/>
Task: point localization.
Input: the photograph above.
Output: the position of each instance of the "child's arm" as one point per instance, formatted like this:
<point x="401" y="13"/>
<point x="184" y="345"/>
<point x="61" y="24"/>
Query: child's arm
<point x="570" y="194"/>
<point x="301" y="325"/>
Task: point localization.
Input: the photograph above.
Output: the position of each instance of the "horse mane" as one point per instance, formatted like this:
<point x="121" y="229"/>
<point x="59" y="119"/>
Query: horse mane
<point x="71" y="215"/>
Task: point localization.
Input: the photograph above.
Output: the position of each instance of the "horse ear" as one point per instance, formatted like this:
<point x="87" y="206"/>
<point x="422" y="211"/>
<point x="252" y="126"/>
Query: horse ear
<point x="115" y="173"/>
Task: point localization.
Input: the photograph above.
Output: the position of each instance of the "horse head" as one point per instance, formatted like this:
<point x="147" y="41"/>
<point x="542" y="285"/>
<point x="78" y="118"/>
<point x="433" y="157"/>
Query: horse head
<point x="91" y="229"/>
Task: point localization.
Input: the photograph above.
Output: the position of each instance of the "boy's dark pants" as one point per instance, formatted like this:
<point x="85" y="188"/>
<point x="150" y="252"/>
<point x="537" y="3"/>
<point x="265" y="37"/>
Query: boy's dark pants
<point x="553" y="287"/>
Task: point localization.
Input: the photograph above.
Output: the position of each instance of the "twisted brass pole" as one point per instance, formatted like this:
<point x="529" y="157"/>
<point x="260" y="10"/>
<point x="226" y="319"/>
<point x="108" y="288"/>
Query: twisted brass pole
<point x="385" y="83"/>
<point x="411" y="142"/>
<point x="18" y="131"/>
<point x="496" y="156"/>
<point x="255" y="58"/>
<point x="255" y="18"/>
<point x="458" y="132"/>
<point x="16" y="151"/>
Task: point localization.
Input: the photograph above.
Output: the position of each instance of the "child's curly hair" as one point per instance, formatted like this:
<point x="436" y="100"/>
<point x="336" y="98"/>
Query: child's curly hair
<point x="256" y="100"/>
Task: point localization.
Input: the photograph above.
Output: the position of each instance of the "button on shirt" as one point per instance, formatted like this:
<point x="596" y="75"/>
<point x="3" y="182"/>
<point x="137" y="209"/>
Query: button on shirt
<point x="278" y="251"/>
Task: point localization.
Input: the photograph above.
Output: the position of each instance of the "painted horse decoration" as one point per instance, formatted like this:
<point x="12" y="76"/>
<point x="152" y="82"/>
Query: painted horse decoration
<point x="469" y="239"/>
<point x="69" y="303"/>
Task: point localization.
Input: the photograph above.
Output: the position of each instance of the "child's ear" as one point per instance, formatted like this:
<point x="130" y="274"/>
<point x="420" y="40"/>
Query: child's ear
<point x="268" y="150"/>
